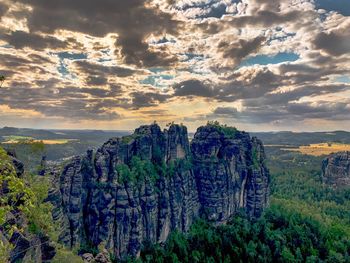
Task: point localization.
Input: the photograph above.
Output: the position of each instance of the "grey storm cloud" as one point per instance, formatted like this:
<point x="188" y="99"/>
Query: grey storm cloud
<point x="301" y="74"/>
<point x="98" y="74"/>
<point x="291" y="112"/>
<point x="21" y="39"/>
<point x="240" y="49"/>
<point x="96" y="81"/>
<point x="3" y="9"/>
<point x="263" y="18"/>
<point x="69" y="102"/>
<point x="225" y="111"/>
<point x="193" y="87"/>
<point x="258" y="85"/>
<point x="255" y="27"/>
<point x="14" y="64"/>
<point x="131" y="20"/>
<point x="142" y="99"/>
<point x="12" y="61"/>
<point x="334" y="43"/>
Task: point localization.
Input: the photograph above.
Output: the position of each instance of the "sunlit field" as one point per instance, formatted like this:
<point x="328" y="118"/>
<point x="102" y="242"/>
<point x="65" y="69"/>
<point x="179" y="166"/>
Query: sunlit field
<point x="24" y="139"/>
<point x="319" y="149"/>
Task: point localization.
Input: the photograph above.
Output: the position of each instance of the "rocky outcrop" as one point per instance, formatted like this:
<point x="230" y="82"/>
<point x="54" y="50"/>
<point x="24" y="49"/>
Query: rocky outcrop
<point x="336" y="169"/>
<point x="141" y="187"/>
<point x="230" y="173"/>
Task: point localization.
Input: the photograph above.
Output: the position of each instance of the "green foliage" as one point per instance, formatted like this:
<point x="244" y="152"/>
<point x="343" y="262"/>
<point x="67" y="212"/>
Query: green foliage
<point x="19" y="196"/>
<point x="178" y="165"/>
<point x="137" y="172"/>
<point x="157" y="155"/>
<point x="255" y="160"/>
<point x="65" y="255"/>
<point x="128" y="138"/>
<point x="299" y="187"/>
<point x="27" y="195"/>
<point x="86" y="247"/>
<point x="228" y="131"/>
<point x="124" y="173"/>
<point x="39" y="216"/>
<point x="306" y="222"/>
<point x="29" y="151"/>
<point x="279" y="236"/>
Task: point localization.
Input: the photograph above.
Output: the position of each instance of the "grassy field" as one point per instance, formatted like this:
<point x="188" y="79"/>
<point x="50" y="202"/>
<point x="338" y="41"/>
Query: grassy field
<point x="24" y="139"/>
<point x="16" y="138"/>
<point x="319" y="149"/>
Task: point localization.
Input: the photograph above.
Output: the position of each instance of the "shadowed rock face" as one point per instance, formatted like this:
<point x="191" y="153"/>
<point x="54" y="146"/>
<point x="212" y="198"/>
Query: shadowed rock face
<point x="227" y="176"/>
<point x="336" y="169"/>
<point x="213" y="177"/>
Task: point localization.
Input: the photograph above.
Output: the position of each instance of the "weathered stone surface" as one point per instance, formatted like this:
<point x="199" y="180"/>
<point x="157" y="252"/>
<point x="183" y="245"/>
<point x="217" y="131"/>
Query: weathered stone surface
<point x="212" y="177"/>
<point x="227" y="176"/>
<point x="336" y="169"/>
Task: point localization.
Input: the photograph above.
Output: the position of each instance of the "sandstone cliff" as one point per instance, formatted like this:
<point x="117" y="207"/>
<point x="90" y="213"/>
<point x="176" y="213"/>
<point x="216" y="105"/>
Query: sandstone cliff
<point x="336" y="169"/>
<point x="141" y="187"/>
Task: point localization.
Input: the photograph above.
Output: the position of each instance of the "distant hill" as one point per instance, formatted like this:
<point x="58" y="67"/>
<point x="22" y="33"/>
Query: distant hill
<point x="77" y="141"/>
<point x="302" y="138"/>
<point x="61" y="134"/>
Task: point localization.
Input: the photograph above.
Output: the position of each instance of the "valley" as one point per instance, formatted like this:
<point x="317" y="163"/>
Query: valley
<point x="298" y="197"/>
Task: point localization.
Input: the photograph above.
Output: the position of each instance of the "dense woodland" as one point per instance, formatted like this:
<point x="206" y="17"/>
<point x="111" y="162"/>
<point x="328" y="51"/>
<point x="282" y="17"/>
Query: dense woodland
<point x="306" y="222"/>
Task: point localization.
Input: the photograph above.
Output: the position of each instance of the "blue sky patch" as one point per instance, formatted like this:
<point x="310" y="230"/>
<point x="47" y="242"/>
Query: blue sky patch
<point x="191" y="56"/>
<point x="156" y="70"/>
<point x="154" y="80"/>
<point x="102" y="60"/>
<point x="265" y="59"/>
<point x="71" y="56"/>
<point x="163" y="40"/>
<point x="6" y="46"/>
<point x="62" y="68"/>
<point x="340" y="6"/>
<point x="343" y="79"/>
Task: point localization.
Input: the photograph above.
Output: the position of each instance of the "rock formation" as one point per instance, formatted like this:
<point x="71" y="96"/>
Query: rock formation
<point x="336" y="169"/>
<point x="141" y="187"/>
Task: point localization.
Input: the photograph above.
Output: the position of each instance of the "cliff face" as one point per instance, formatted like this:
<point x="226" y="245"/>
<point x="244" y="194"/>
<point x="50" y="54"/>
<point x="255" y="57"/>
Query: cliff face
<point x="143" y="186"/>
<point x="230" y="173"/>
<point x="336" y="169"/>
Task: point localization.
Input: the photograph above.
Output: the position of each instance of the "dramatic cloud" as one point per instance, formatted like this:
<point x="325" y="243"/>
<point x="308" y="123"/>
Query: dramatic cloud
<point x="94" y="70"/>
<point x="132" y="21"/>
<point x="240" y="49"/>
<point x="193" y="87"/>
<point x="147" y="99"/>
<point x="251" y="63"/>
<point x="334" y="43"/>
<point x="21" y="39"/>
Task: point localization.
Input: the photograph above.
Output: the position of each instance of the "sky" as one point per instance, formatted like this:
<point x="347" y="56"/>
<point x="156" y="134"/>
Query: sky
<point x="259" y="65"/>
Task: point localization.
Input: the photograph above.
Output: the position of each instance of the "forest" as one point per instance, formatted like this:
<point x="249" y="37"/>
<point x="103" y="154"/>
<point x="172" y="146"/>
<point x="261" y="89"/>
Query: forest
<point x="307" y="221"/>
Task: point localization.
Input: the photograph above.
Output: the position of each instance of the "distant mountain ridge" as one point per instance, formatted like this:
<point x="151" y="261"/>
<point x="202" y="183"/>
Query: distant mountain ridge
<point x="302" y="138"/>
<point x="279" y="137"/>
<point x="45" y="134"/>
